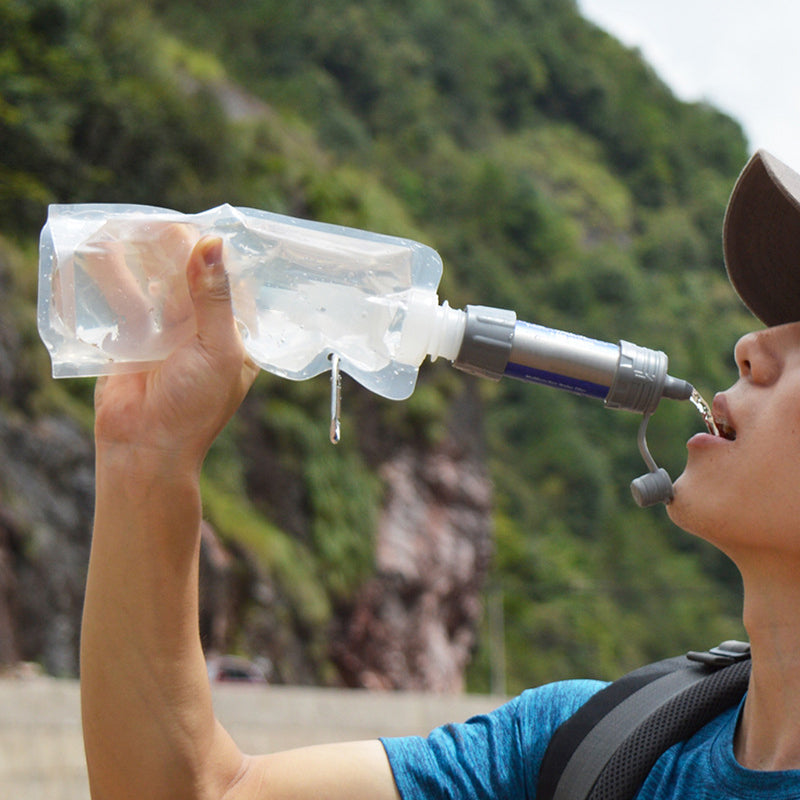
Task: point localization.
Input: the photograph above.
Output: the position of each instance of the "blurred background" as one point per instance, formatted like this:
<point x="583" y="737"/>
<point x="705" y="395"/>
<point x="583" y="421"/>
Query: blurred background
<point x="478" y="536"/>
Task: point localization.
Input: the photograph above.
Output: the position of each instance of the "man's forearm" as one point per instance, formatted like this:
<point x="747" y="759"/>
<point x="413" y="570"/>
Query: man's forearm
<point x="149" y="727"/>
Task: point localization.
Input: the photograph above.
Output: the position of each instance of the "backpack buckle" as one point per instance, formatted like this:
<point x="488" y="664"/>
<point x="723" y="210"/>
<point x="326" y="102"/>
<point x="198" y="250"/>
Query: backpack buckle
<point x="729" y="652"/>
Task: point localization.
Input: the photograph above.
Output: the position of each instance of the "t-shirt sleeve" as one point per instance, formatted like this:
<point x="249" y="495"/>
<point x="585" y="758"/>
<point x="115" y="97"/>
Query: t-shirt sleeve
<point x="495" y="755"/>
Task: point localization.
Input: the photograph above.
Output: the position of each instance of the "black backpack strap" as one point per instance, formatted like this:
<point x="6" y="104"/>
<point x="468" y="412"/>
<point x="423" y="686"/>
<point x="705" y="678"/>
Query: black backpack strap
<point x="606" y="749"/>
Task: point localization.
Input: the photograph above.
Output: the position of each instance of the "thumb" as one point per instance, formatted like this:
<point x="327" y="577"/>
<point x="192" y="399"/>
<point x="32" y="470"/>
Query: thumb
<point x="210" y="291"/>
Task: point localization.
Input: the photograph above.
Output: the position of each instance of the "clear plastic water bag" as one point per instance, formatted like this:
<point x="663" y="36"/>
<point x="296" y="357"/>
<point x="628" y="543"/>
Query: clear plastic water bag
<point x="113" y="295"/>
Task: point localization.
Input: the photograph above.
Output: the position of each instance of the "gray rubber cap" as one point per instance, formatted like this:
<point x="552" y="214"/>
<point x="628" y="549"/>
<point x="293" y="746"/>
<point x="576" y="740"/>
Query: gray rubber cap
<point x="654" y="487"/>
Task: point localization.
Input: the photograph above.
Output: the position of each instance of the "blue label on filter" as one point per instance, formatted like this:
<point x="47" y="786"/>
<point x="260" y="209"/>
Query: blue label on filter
<point x="574" y="385"/>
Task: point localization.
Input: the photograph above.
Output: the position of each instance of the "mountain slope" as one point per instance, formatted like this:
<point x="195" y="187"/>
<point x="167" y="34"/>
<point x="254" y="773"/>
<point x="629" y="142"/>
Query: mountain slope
<point x="554" y="172"/>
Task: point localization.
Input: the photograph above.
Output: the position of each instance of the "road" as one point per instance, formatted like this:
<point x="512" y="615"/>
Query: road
<point x="41" y="751"/>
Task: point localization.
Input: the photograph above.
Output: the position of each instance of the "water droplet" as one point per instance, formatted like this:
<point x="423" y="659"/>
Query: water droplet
<point x="336" y="399"/>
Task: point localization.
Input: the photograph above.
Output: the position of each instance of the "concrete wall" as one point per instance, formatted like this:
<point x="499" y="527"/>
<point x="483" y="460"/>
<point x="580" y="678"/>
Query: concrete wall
<point x="41" y="750"/>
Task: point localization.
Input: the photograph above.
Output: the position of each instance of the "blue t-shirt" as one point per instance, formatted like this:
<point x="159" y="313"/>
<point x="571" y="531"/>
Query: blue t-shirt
<point x="497" y="756"/>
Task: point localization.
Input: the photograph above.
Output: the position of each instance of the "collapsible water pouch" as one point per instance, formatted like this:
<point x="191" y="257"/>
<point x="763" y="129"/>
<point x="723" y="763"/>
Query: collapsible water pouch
<point x="113" y="295"/>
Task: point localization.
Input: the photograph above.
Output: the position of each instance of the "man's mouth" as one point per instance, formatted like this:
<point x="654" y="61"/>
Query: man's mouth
<point x="724" y="429"/>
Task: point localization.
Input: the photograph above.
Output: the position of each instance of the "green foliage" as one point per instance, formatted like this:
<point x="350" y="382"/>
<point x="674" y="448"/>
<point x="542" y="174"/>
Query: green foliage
<point x="334" y="498"/>
<point x="553" y="170"/>
<point x="344" y="499"/>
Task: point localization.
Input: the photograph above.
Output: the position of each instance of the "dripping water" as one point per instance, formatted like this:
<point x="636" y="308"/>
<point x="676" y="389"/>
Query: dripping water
<point x="705" y="412"/>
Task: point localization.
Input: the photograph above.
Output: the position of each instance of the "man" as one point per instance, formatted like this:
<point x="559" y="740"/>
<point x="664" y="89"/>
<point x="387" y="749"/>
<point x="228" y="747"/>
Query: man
<point x="149" y="726"/>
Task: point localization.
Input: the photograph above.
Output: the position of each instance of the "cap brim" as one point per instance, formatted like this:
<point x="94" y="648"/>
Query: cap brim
<point x="761" y="239"/>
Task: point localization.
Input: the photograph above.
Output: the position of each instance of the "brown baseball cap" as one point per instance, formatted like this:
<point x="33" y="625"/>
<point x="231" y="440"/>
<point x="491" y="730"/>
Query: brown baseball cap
<point x="761" y="239"/>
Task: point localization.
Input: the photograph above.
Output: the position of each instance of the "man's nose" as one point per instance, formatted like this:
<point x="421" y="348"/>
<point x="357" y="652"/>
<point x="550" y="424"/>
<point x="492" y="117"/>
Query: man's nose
<point x="755" y="360"/>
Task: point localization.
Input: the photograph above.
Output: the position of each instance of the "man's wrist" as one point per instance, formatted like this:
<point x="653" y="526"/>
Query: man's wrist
<point x="134" y="462"/>
<point x="147" y="496"/>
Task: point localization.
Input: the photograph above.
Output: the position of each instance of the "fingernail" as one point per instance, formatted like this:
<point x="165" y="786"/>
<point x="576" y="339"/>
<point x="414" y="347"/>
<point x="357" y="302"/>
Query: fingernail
<point x="212" y="252"/>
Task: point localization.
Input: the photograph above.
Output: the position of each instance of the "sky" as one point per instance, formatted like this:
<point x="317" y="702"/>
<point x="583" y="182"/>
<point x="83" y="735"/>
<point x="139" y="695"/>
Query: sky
<point x="743" y="57"/>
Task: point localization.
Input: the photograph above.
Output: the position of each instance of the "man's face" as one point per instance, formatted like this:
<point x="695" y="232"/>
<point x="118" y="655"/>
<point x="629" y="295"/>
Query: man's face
<point x="742" y="490"/>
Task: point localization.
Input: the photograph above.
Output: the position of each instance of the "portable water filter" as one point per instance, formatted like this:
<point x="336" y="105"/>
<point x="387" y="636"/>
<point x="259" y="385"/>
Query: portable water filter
<point x="625" y="376"/>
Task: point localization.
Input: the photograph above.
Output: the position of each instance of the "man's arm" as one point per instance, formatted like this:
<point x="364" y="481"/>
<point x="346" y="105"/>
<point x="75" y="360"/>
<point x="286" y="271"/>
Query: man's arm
<point x="149" y="725"/>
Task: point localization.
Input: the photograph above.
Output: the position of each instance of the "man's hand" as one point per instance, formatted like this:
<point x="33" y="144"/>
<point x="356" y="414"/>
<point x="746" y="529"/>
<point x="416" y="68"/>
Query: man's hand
<point x="175" y="411"/>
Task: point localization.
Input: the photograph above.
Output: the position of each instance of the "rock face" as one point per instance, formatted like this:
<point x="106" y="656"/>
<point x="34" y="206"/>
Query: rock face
<point x="46" y="506"/>
<point x="413" y="624"/>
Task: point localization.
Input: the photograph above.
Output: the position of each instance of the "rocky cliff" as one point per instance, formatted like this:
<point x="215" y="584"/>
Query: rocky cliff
<point x="413" y="624"/>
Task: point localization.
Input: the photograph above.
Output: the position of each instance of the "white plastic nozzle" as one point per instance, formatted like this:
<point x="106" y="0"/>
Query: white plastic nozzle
<point x="448" y="332"/>
<point x="430" y="329"/>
